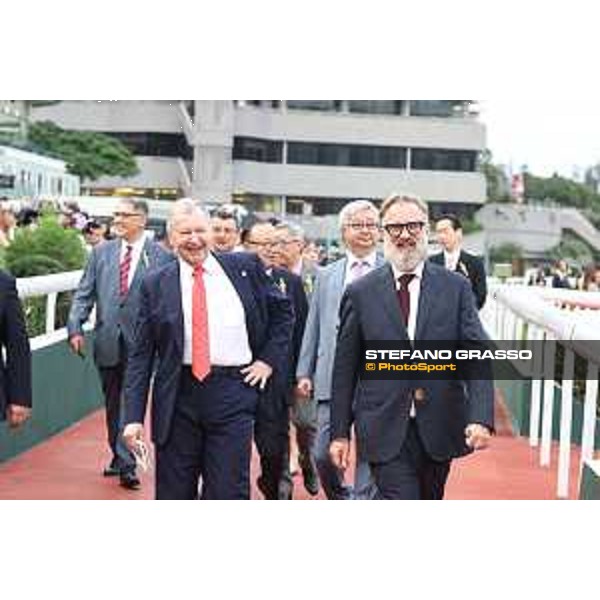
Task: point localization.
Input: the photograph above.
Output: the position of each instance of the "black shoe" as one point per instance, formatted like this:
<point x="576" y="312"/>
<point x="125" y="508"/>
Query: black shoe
<point x="309" y="474"/>
<point x="129" y="481"/>
<point x="111" y="471"/>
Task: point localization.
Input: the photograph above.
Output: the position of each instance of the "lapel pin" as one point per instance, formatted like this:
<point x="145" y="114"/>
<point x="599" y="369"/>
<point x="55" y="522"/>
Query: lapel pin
<point x="244" y="273"/>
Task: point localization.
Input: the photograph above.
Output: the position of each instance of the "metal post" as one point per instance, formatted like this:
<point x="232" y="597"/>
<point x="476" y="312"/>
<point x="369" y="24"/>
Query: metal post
<point x="566" y="418"/>
<point x="589" y="415"/>
<point x="549" y="361"/>
<point x="536" y="335"/>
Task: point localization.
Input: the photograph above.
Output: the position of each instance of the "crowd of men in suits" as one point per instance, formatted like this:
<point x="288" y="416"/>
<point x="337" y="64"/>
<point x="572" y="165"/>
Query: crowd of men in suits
<point x="232" y="336"/>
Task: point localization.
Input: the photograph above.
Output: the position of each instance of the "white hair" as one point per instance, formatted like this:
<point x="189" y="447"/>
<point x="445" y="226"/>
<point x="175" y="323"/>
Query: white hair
<point x="353" y="207"/>
<point x="184" y="207"/>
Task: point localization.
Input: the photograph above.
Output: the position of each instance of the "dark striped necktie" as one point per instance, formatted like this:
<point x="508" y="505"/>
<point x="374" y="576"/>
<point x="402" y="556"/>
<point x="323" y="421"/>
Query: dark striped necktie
<point x="124" y="268"/>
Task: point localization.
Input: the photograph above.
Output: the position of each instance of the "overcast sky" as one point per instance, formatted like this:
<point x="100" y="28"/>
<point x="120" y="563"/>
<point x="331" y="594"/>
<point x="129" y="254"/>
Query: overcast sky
<point x="547" y="135"/>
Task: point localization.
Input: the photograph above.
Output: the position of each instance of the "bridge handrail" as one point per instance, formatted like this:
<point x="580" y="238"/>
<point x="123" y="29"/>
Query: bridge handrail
<point x="49" y="286"/>
<point x="517" y="312"/>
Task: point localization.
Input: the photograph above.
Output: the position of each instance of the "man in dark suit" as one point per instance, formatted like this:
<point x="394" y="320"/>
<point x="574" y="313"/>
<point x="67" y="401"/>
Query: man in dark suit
<point x="407" y="430"/>
<point x="111" y="282"/>
<point x="15" y="356"/>
<point x="449" y="234"/>
<point x="218" y="328"/>
<point x="271" y="431"/>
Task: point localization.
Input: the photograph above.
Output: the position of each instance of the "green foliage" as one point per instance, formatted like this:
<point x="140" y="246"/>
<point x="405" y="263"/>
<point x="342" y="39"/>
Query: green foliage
<point x="506" y="253"/>
<point x="562" y="191"/>
<point x="47" y="249"/>
<point x="496" y="181"/>
<point x="574" y="249"/>
<point x="87" y="154"/>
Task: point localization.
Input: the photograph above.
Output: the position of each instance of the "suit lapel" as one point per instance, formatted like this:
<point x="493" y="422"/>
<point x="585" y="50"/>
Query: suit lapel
<point x="171" y="287"/>
<point x="114" y="264"/>
<point x="385" y="290"/>
<point x="426" y="296"/>
<point x="337" y="281"/>
<point x="146" y="259"/>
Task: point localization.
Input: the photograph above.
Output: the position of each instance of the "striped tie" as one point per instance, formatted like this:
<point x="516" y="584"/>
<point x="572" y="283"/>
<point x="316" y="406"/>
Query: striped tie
<point x="200" y="341"/>
<point x="124" y="272"/>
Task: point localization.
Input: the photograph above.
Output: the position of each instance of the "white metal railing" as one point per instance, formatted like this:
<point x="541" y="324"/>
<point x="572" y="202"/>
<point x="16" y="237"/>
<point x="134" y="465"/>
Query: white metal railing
<point x="49" y="286"/>
<point x="571" y="319"/>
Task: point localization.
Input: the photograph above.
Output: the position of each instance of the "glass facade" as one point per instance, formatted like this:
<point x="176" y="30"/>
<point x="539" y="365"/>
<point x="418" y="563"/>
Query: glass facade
<point x="155" y="144"/>
<point x="348" y="155"/>
<point x="436" y="159"/>
<point x="257" y="150"/>
<point x="326" y="105"/>
<point x="376" y="107"/>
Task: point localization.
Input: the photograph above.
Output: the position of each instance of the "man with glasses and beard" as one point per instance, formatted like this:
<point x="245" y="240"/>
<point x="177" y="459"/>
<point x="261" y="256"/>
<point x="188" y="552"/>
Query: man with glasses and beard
<point x="408" y="430"/>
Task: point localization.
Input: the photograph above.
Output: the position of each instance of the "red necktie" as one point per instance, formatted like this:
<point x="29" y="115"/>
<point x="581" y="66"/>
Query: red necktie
<point x="124" y="271"/>
<point x="404" y="295"/>
<point x="200" y="341"/>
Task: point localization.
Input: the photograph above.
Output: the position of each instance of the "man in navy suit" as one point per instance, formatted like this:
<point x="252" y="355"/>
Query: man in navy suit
<point x="271" y="432"/>
<point x="449" y="234"/>
<point x="15" y="356"/>
<point x="218" y="328"/>
<point x="408" y="430"/>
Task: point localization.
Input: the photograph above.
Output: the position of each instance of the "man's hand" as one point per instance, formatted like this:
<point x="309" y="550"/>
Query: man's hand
<point x="304" y="387"/>
<point x="477" y="436"/>
<point x="16" y="415"/>
<point x="132" y="434"/>
<point x="339" y="452"/>
<point x="77" y="343"/>
<point x="258" y="372"/>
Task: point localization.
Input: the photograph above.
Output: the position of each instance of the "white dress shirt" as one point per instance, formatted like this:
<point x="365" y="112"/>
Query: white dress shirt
<point x="227" y="332"/>
<point x="353" y="270"/>
<point x="451" y="259"/>
<point x="136" y="253"/>
<point x="414" y="289"/>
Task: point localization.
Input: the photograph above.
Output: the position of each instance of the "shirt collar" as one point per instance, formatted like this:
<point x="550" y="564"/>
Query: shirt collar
<point x="417" y="272"/>
<point x="137" y="245"/>
<point x="210" y="265"/>
<point x="369" y="259"/>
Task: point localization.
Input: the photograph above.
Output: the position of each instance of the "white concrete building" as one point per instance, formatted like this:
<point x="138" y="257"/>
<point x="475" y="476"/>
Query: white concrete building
<point x="308" y="157"/>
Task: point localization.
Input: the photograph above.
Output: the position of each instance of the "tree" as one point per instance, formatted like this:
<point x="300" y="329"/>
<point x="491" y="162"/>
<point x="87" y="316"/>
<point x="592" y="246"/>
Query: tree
<point x="496" y="180"/>
<point x="561" y="190"/>
<point x="87" y="154"/>
<point x="49" y="248"/>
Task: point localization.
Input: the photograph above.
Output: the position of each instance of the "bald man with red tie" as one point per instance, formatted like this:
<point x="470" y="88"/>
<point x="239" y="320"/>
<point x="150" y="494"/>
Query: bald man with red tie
<point x="219" y="328"/>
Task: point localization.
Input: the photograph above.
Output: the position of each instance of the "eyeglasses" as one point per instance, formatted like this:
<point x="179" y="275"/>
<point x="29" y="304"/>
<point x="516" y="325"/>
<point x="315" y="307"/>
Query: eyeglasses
<point x="264" y="244"/>
<point x="357" y="226"/>
<point x="126" y="215"/>
<point x="396" y="229"/>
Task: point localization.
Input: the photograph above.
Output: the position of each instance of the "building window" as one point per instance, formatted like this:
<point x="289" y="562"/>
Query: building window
<point x="433" y="108"/>
<point x="348" y="155"/>
<point x="324" y="105"/>
<point x="376" y="107"/>
<point x="436" y="159"/>
<point x="155" y="144"/>
<point x="257" y="150"/>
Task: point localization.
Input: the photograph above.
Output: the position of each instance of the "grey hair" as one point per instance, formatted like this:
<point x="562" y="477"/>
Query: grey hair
<point x="184" y="207"/>
<point x="403" y="198"/>
<point x="137" y="205"/>
<point x="294" y="230"/>
<point x="352" y="208"/>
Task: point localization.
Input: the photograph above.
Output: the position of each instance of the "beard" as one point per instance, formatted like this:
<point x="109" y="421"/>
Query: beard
<point x="406" y="258"/>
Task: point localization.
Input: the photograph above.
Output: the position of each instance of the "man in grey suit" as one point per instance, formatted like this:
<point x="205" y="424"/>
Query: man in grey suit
<point x="360" y="232"/>
<point x="111" y="281"/>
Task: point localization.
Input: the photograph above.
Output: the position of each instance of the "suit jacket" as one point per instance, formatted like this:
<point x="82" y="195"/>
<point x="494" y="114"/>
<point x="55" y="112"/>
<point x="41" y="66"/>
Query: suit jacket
<point x="319" y="341"/>
<point x="15" y="372"/>
<point x="99" y="286"/>
<point x="470" y="266"/>
<point x="370" y="311"/>
<point x="160" y="330"/>
<point x="292" y="286"/>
